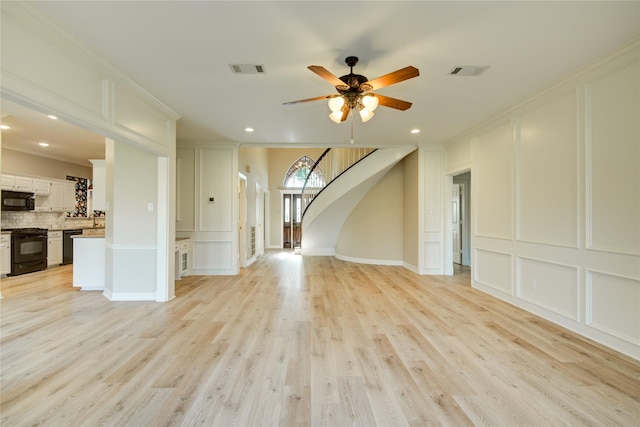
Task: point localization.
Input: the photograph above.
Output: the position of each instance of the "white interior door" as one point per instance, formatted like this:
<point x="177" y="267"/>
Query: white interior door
<point x="457" y="224"/>
<point x="242" y="221"/>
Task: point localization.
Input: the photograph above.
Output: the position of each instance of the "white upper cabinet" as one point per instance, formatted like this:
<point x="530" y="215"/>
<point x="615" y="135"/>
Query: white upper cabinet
<point x="8" y="182"/>
<point x="17" y="183"/>
<point x="24" y="184"/>
<point x="41" y="187"/>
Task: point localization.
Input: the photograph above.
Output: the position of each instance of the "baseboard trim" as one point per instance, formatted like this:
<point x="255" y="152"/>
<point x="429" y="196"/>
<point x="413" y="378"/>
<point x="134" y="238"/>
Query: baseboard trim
<point x="369" y="261"/>
<point x="133" y="296"/>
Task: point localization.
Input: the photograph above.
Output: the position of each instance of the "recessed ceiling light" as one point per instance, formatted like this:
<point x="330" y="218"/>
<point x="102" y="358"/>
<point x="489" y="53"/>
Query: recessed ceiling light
<point x="43" y="144"/>
<point x="415" y="130"/>
<point x="52" y="117"/>
<point x="248" y="130"/>
<point x="5" y="127"/>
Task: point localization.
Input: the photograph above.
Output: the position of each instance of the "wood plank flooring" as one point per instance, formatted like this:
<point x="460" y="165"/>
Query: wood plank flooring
<point x="297" y="341"/>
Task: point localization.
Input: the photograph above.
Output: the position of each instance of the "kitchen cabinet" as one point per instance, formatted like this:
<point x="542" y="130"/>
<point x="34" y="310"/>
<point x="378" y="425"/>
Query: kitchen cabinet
<point x="5" y="253"/>
<point x="43" y="203"/>
<point x="51" y="195"/>
<point x="42" y="190"/>
<point x="56" y="197"/>
<point x="63" y="196"/>
<point x="182" y="251"/>
<point x="8" y="182"/>
<point x="41" y="187"/>
<point x="24" y="184"/>
<point x="69" y="196"/>
<point x="17" y="183"/>
<point x="54" y="249"/>
<point x="93" y="231"/>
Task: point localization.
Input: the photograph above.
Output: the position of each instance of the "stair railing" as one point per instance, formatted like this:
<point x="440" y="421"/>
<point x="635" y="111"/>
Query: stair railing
<point x="332" y="163"/>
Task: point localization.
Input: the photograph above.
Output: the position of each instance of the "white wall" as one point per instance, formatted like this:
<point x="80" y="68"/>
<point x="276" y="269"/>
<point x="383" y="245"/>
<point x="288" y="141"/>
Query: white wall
<point x="373" y="232"/>
<point x="410" y="211"/>
<point x="556" y="202"/>
<point x="18" y="163"/>
<point x="131" y="243"/>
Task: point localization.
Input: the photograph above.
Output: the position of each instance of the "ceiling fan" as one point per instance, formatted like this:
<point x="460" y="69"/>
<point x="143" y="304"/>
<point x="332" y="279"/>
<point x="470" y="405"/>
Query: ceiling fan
<point x="355" y="92"/>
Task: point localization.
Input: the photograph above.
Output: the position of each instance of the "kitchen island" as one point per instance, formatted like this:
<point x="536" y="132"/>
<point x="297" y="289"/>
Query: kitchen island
<point x="88" y="262"/>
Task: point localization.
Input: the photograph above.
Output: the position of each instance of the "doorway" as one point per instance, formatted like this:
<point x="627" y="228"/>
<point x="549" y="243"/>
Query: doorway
<point x="291" y="221"/>
<point x="242" y="220"/>
<point x="456" y="211"/>
<point x="461" y="220"/>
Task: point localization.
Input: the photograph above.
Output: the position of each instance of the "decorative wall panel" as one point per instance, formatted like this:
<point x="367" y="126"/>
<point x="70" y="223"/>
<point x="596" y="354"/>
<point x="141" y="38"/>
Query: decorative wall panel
<point x="493" y="269"/>
<point x="432" y="258"/>
<point x="216" y="189"/>
<point x="185" y="189"/>
<point x="613" y="305"/>
<point x="493" y="178"/>
<point x="212" y="255"/>
<point x="549" y="285"/>
<point x="613" y="155"/>
<point x="548" y="173"/>
<point x="432" y="190"/>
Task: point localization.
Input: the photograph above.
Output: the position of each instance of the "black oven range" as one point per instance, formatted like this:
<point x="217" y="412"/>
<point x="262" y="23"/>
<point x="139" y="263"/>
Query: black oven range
<point x="28" y="250"/>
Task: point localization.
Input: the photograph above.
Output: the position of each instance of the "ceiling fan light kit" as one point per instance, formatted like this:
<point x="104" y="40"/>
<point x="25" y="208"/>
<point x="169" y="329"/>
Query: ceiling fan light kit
<point x="356" y="91"/>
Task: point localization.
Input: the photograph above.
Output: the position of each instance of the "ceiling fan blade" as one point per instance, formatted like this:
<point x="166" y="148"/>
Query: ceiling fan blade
<point x="398" y="104"/>
<point x="398" y="76"/>
<point x="345" y="112"/>
<point x="326" y="74"/>
<point x="317" y="98"/>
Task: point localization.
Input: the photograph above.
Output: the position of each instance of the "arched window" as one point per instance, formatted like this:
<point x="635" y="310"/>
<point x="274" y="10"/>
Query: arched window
<point x="297" y="174"/>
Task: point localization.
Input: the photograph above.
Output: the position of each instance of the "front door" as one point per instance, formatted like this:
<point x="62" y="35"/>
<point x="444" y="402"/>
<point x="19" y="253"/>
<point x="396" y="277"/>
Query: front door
<point x="297" y="220"/>
<point x="286" y="225"/>
<point x="292" y="219"/>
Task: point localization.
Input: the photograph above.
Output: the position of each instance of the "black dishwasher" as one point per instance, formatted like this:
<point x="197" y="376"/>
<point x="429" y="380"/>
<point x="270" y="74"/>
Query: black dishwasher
<point x="67" y="245"/>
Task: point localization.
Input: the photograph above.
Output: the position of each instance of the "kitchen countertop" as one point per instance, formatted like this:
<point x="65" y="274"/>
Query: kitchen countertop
<point x="88" y="236"/>
<point x="74" y="228"/>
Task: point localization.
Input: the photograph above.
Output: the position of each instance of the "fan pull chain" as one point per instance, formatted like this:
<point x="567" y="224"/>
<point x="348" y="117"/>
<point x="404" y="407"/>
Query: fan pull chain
<point x="352" y="126"/>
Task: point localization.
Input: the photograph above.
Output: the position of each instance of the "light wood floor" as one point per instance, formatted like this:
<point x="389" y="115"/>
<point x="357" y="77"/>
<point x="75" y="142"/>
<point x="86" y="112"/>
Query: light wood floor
<point x="297" y="342"/>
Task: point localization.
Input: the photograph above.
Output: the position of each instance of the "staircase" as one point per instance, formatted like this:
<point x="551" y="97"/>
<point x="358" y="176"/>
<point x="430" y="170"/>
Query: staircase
<point x="328" y="207"/>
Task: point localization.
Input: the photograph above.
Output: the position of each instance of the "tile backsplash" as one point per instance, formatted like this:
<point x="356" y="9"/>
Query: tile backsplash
<point x="50" y="220"/>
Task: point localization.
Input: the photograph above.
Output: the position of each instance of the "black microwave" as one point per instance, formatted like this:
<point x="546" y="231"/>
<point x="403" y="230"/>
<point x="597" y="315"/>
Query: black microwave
<point x="18" y="201"/>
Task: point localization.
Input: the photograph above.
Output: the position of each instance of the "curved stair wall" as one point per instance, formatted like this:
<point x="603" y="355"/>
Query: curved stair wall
<point x="324" y="218"/>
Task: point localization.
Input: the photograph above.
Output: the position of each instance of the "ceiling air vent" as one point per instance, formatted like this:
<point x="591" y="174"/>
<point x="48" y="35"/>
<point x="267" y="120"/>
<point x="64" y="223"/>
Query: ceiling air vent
<point x="247" y="69"/>
<point x="468" y="70"/>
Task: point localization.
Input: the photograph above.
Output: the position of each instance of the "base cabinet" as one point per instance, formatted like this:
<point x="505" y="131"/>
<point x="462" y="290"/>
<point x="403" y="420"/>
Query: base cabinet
<point x="183" y="253"/>
<point x="5" y="254"/>
<point x="54" y="248"/>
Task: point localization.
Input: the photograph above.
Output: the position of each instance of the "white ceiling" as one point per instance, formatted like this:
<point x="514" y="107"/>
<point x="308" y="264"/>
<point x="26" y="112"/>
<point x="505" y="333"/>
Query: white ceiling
<point x="180" y="51"/>
<point x="28" y="128"/>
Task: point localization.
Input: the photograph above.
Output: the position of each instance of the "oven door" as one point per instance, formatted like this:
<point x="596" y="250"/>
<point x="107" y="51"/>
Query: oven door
<point x="29" y="248"/>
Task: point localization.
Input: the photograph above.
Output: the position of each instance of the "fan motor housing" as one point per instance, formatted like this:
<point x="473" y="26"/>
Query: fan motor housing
<point x="354" y="83"/>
